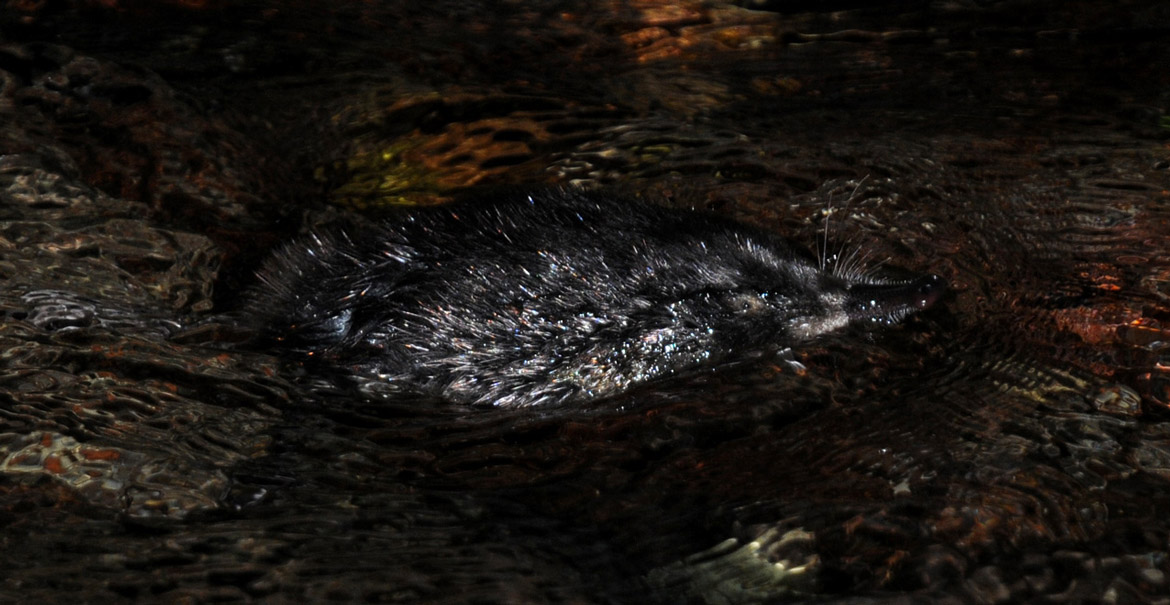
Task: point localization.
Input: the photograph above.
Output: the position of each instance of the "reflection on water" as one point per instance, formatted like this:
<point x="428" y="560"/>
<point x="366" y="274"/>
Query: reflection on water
<point x="1010" y="444"/>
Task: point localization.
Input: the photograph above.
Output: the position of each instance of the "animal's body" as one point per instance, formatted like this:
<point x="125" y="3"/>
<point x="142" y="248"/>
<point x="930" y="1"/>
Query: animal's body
<point x="554" y="296"/>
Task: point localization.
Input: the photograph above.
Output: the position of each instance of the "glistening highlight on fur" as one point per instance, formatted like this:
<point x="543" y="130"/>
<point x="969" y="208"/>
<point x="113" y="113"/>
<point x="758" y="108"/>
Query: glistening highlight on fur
<point x="556" y="295"/>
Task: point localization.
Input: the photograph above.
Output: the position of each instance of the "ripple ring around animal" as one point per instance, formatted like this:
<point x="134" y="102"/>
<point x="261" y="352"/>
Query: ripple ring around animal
<point x="555" y="295"/>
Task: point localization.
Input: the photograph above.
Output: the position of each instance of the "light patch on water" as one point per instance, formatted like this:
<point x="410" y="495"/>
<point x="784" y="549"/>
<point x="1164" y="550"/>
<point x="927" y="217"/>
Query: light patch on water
<point x="732" y="572"/>
<point x="110" y="476"/>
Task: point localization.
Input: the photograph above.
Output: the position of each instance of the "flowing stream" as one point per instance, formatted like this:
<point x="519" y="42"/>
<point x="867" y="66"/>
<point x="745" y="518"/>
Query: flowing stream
<point x="1010" y="444"/>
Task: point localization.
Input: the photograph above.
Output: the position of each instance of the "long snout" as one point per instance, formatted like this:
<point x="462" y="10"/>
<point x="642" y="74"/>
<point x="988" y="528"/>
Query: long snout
<point x="891" y="302"/>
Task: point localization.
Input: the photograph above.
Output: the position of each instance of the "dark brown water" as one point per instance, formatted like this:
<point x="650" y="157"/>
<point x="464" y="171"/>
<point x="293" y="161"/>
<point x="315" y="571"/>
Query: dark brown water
<point x="1009" y="445"/>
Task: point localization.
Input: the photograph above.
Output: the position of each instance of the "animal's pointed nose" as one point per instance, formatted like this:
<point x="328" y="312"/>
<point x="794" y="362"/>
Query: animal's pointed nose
<point x="893" y="301"/>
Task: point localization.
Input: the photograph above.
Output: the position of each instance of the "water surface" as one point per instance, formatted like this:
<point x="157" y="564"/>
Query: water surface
<point x="1010" y="444"/>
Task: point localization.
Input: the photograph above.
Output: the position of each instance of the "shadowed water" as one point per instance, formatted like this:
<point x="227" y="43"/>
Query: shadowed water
<point x="1008" y="444"/>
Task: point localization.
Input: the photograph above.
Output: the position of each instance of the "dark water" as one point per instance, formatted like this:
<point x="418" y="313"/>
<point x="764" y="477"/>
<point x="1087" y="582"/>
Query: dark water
<point x="1010" y="445"/>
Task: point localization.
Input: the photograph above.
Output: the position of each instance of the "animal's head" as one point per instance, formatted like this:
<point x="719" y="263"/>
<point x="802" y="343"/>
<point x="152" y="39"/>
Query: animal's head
<point x="783" y="286"/>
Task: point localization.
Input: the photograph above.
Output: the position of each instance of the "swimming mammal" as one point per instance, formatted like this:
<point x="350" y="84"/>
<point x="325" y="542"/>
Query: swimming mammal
<point x="555" y="295"/>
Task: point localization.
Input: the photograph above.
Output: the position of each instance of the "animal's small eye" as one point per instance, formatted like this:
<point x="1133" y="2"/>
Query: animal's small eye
<point x="747" y="302"/>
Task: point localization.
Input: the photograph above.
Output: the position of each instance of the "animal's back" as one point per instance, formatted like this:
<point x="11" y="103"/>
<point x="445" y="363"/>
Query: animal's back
<point x="536" y="297"/>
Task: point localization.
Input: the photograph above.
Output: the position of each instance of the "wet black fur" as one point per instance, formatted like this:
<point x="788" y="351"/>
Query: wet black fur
<point x="535" y="298"/>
